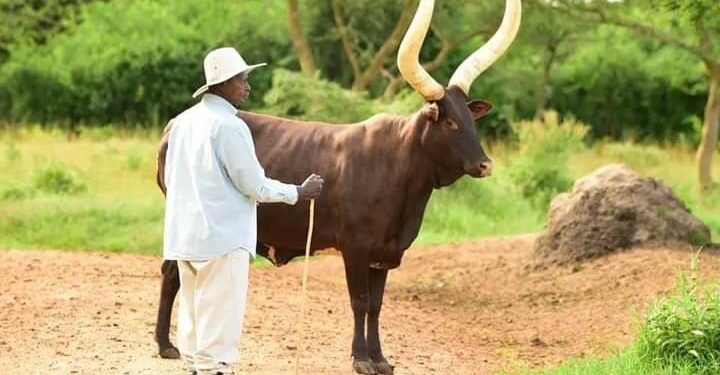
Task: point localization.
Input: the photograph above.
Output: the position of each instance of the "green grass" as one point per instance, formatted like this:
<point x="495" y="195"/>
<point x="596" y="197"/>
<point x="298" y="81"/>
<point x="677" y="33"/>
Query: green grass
<point x="98" y="192"/>
<point x="94" y="193"/>
<point x="473" y="208"/>
<point x="683" y="330"/>
<point x="624" y="362"/>
<point x="84" y="223"/>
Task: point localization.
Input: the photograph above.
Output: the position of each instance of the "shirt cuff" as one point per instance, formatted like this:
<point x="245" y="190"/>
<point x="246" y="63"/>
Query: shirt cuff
<point x="292" y="194"/>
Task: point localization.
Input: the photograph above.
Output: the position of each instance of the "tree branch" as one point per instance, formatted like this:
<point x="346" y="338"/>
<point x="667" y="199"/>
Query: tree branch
<point x="647" y="30"/>
<point x="386" y="49"/>
<point x="345" y="38"/>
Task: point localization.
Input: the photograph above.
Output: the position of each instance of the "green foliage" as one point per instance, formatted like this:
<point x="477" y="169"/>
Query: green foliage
<point x="623" y="362"/>
<point x="16" y="192"/>
<point x="93" y="63"/>
<point x="683" y="330"/>
<point x="55" y="178"/>
<point x="540" y="171"/>
<point x="628" y="88"/>
<point x="298" y="96"/>
<point x="11" y="152"/>
<point x="35" y="22"/>
<point x="138" y="63"/>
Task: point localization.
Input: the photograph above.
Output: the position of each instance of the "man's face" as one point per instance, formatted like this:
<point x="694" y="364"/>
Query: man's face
<point x="236" y="90"/>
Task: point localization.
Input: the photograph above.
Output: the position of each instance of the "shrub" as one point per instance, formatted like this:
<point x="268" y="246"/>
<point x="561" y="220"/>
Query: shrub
<point x="16" y="192"/>
<point x="312" y="98"/>
<point x="137" y="63"/>
<point x="683" y="330"/>
<point x="540" y="170"/>
<point x="56" y="179"/>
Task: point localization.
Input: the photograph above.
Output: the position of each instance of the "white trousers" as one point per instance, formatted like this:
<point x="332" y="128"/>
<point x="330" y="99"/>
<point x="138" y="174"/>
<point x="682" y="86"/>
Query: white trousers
<point x="211" y="310"/>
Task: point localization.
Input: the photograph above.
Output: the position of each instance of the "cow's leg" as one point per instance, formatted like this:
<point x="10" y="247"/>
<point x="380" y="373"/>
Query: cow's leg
<point x="168" y="291"/>
<point x="357" y="268"/>
<point x="377" y="279"/>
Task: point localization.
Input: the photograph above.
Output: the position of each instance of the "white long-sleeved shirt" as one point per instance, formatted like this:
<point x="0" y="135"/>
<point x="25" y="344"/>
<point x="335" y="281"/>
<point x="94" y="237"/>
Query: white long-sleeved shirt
<point x="214" y="182"/>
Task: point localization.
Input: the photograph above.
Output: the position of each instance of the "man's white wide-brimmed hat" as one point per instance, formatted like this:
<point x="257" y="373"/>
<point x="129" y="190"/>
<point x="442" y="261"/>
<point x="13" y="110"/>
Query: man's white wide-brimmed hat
<point x="222" y="64"/>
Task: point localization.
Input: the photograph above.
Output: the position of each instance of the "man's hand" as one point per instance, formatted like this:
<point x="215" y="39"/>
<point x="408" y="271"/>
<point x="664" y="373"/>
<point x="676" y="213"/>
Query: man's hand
<point x="311" y="188"/>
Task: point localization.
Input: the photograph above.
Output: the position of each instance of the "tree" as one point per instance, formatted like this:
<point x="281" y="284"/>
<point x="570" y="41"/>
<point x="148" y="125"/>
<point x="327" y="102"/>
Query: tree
<point x="364" y="75"/>
<point x="33" y="21"/>
<point x="300" y="43"/>
<point x="552" y="32"/>
<point x="690" y="25"/>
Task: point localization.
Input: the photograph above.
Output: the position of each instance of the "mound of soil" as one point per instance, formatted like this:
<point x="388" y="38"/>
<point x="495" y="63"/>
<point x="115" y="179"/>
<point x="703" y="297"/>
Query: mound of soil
<point x="615" y="208"/>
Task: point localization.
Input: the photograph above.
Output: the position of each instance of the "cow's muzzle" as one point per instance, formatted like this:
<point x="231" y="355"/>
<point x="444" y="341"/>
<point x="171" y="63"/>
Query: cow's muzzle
<point x="480" y="169"/>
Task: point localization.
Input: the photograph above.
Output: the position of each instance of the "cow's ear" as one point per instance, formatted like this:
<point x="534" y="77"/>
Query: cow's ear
<point x="479" y="108"/>
<point x="431" y="111"/>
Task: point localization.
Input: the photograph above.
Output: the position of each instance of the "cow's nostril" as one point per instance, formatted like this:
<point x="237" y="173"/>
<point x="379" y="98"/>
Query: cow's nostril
<point x="486" y="168"/>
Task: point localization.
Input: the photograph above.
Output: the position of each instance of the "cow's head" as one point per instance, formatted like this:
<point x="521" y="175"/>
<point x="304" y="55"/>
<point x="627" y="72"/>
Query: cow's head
<point x="451" y="138"/>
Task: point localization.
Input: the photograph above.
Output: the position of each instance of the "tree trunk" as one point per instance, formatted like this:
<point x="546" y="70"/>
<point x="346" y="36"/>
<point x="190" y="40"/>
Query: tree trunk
<point x="305" y="57"/>
<point x="541" y="94"/>
<point x="711" y="122"/>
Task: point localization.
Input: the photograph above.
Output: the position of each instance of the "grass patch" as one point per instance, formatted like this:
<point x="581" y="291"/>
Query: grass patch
<point x="473" y="208"/>
<point x="98" y="191"/>
<point x="620" y="363"/>
<point x="683" y="330"/>
<point x="83" y="224"/>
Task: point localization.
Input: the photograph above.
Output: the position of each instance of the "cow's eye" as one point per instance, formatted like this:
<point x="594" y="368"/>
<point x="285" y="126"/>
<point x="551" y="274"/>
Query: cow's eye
<point x="451" y="124"/>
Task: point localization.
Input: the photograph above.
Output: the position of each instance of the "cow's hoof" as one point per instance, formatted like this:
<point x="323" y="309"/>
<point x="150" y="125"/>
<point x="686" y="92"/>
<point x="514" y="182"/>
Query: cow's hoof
<point x="384" y="368"/>
<point x="363" y="367"/>
<point x="170" y="352"/>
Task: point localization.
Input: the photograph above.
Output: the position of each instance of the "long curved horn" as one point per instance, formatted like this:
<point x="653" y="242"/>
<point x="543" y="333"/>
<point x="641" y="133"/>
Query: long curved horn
<point x="486" y="55"/>
<point x="408" y="58"/>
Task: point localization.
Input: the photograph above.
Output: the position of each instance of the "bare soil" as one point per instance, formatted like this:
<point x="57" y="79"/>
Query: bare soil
<point x="470" y="308"/>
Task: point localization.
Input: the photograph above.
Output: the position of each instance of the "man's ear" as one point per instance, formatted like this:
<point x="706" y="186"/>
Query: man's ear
<point x="479" y="108"/>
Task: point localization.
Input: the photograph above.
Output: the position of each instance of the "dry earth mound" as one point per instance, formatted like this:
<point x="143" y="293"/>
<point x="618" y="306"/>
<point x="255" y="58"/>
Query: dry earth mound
<point x="615" y="208"/>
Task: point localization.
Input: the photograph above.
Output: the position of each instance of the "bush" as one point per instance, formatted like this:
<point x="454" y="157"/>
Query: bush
<point x="296" y="95"/>
<point x="16" y="192"/>
<point x="56" y="179"/>
<point x="683" y="330"/>
<point x="139" y="63"/>
<point x="540" y="170"/>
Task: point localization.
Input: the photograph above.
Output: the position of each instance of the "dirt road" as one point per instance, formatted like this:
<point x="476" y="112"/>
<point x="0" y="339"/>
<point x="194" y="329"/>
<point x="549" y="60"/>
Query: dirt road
<point x="470" y="308"/>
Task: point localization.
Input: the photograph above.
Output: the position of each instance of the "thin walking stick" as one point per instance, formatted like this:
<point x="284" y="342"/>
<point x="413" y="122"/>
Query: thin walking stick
<point x="304" y="286"/>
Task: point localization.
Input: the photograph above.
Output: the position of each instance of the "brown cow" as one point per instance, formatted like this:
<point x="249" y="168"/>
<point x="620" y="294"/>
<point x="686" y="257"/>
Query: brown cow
<point x="379" y="175"/>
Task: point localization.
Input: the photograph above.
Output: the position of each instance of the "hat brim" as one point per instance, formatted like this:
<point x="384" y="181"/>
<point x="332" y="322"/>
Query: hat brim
<point x="206" y="86"/>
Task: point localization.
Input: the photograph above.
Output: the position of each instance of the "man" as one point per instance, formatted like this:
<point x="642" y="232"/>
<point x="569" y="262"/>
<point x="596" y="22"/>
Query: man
<point x="214" y="182"/>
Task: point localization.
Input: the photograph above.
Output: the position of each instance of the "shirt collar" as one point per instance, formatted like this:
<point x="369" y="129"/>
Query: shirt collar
<point x="219" y="102"/>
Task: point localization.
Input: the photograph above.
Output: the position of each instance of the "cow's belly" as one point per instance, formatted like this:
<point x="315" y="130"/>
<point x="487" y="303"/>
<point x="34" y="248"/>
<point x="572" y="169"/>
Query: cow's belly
<point x="284" y="226"/>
